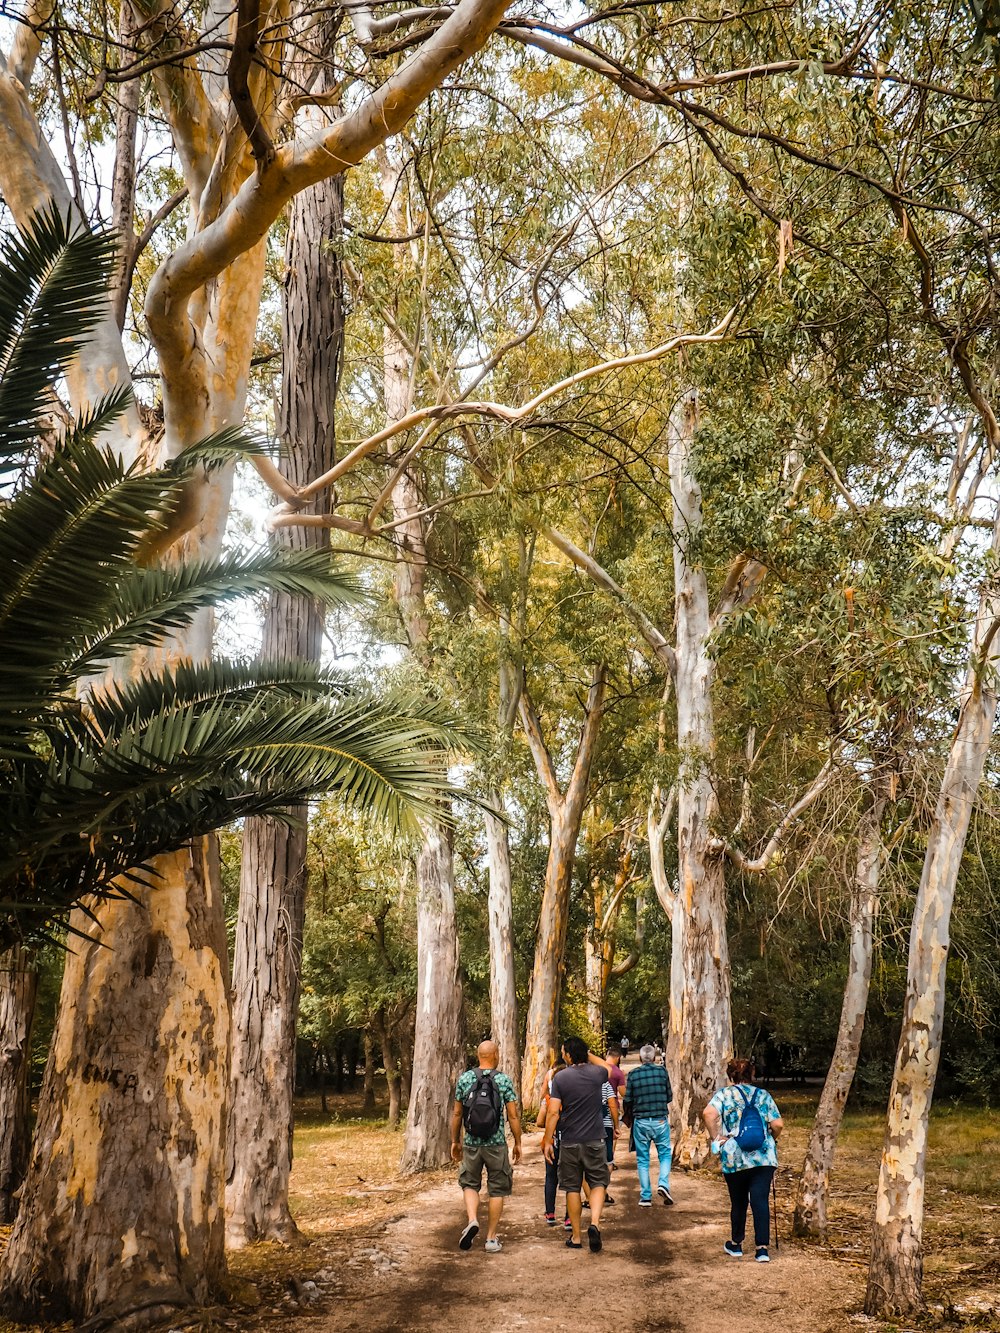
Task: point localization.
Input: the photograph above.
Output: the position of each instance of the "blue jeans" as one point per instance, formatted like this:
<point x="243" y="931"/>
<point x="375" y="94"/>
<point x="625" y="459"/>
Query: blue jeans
<point x="645" y="1132"/>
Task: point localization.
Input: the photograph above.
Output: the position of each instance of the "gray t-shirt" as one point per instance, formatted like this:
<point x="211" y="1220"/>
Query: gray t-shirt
<point x="578" y="1088"/>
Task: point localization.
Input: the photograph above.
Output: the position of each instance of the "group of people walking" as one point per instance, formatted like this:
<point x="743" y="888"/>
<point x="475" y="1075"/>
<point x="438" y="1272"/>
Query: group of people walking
<point x="586" y="1104"/>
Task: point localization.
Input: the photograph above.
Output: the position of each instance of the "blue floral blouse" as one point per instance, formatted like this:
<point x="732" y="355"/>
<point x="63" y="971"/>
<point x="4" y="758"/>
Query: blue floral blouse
<point x="729" y="1104"/>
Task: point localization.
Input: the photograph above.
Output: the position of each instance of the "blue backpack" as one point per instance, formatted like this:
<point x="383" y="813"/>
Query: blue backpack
<point x="752" y="1131"/>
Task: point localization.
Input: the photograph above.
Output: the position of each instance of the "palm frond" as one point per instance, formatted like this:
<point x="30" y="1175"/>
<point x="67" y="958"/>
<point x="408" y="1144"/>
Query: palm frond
<point x="98" y="811"/>
<point x="151" y="602"/>
<point x="64" y="541"/>
<point x="53" y="287"/>
<point x="125" y="707"/>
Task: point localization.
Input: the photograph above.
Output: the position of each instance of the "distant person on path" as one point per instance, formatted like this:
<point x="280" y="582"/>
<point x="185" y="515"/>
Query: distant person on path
<point x="748" y="1170"/>
<point x="624" y="1046"/>
<point x="575" y="1112"/>
<point x="648" y="1095"/>
<point x="481" y="1096"/>
<point x="616" y="1077"/>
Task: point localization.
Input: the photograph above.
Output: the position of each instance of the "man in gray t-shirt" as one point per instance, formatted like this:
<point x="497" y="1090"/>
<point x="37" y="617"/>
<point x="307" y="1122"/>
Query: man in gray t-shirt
<point x="576" y="1108"/>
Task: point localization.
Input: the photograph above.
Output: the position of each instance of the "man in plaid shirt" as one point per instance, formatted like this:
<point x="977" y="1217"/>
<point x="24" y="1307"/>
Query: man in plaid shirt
<point x="648" y="1095"/>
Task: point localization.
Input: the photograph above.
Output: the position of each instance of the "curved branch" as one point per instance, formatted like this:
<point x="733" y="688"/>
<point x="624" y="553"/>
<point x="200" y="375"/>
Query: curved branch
<point x="760" y="863"/>
<point x="657" y="824"/>
<point x="249" y="215"/>
<point x="635" y="953"/>
<point x="240" y="63"/>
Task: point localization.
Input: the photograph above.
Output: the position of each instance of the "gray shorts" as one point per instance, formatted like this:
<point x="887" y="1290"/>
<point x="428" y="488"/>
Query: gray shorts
<point x="583" y="1161"/>
<point x="499" y="1174"/>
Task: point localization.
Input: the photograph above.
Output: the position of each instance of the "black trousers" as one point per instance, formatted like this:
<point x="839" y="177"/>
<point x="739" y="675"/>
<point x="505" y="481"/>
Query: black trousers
<point x="551" y="1182"/>
<point x="750" y="1187"/>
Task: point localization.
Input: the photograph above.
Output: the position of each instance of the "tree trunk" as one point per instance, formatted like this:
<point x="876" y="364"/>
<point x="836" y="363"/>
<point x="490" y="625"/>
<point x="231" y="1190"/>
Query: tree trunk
<point x="896" y="1271"/>
<point x="437" y="1045"/>
<point x="811" y="1199"/>
<point x="122" y="1211"/>
<point x="595" y="973"/>
<point x="565" y="815"/>
<point x="700" y="1040"/>
<point x="392" y="1078"/>
<point x="123" y="178"/>
<point x="541" y="1040"/>
<point x="18" y="990"/>
<point x="503" y="986"/>
<point x="368" y="1104"/>
<point x="437" y="1049"/>
<point x="271" y="919"/>
<point x="406" y="1067"/>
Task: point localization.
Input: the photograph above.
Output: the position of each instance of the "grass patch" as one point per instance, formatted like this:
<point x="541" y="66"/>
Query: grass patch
<point x="961" y="1202"/>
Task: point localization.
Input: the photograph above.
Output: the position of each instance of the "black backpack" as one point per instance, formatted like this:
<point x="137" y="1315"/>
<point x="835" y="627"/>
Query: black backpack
<point x="482" y="1113"/>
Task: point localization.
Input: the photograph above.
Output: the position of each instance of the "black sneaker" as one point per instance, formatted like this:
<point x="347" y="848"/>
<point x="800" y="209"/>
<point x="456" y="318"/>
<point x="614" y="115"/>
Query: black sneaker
<point x="664" y="1194"/>
<point x="762" y="1255"/>
<point x="468" y="1236"/>
<point x="594" y="1238"/>
<point x="733" y="1250"/>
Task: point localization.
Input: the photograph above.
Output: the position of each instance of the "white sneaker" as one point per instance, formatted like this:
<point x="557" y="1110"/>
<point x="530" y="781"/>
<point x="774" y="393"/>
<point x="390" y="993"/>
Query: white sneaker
<point x="493" y="1246"/>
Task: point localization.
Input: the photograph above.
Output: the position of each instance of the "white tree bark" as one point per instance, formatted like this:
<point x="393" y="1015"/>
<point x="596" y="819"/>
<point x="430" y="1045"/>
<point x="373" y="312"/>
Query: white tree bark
<point x="503" y="987"/>
<point x="700" y="1040"/>
<point x="565" y="816"/>
<point x="814" y="1183"/>
<point x="896" y="1271"/>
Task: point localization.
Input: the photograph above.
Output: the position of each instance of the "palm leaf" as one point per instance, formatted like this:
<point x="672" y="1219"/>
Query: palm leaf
<point x="98" y="811"/>
<point x="64" y="541"/>
<point x="53" y="291"/>
<point x="151" y="602"/>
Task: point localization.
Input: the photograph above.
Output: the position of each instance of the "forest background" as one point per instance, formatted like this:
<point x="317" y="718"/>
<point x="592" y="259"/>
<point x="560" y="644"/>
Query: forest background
<point x="640" y="364"/>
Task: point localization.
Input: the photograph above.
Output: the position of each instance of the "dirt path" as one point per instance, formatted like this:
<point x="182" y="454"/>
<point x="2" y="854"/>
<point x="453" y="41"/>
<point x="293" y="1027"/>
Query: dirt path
<point x="661" y="1269"/>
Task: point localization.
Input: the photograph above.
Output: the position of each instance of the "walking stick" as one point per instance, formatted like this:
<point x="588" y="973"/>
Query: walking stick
<point x="774" y="1210"/>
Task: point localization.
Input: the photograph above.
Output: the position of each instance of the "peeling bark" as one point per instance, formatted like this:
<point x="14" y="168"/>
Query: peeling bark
<point x="814" y="1184"/>
<point x="122" y="1210"/>
<point x="268" y="948"/>
<point x="565" y="816"/>
<point x="437" y="1047"/>
<point x="700" y="1038"/>
<point x="896" y="1270"/>
<point x="18" y="991"/>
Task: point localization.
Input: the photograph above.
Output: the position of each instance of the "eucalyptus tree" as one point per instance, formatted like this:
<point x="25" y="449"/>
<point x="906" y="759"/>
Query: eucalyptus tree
<point x="243" y="158"/>
<point x="911" y="105"/>
<point x="268" y="949"/>
<point x="104" y="779"/>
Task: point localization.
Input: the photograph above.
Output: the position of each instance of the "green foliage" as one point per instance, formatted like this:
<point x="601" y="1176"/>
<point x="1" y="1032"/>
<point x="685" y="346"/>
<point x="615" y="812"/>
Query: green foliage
<point x="98" y="782"/>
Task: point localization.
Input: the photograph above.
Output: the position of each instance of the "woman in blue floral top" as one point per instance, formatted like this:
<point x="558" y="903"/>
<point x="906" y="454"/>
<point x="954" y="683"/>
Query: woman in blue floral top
<point x="748" y="1175"/>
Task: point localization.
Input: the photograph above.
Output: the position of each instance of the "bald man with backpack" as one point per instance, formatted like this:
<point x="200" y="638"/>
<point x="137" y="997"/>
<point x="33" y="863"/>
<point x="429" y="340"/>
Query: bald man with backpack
<point x="482" y="1097"/>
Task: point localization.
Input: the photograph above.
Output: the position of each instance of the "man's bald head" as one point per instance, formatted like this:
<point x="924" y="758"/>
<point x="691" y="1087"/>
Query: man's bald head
<point x="488" y="1053"/>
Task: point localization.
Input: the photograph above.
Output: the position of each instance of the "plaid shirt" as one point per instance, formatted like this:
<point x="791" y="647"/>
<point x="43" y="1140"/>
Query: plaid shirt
<point x="648" y="1092"/>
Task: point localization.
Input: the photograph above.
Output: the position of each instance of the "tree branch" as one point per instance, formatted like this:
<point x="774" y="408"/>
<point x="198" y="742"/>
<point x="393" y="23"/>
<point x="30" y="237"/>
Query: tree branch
<point x="240" y="63"/>
<point x="247" y="217"/>
<point x="657" y="824"/>
<point x="539" y="750"/>
<point x="576" y="792"/>
<point x="760" y="863"/>
<point x="662" y="649"/>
